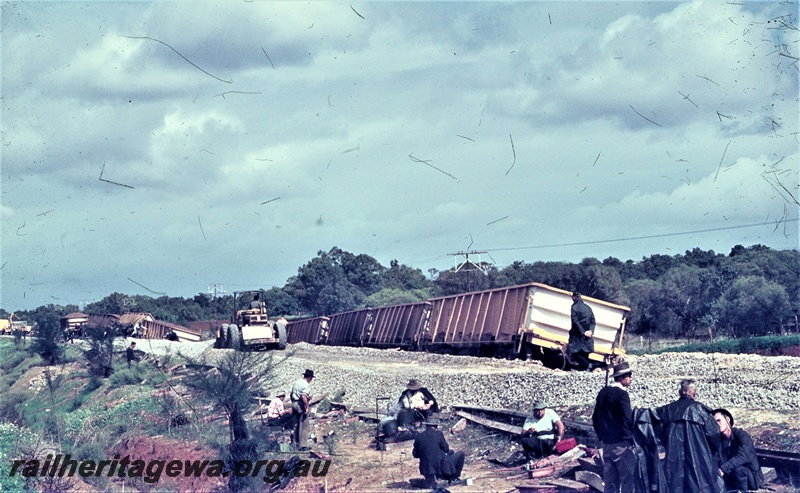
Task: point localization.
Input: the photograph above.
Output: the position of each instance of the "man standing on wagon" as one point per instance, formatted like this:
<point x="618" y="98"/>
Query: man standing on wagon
<point x="581" y="333"/>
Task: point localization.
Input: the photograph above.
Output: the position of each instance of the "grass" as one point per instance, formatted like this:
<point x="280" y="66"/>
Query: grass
<point x="764" y="344"/>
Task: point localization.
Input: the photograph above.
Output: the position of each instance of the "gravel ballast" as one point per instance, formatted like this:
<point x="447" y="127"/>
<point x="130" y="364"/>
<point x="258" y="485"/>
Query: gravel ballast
<point x="724" y="380"/>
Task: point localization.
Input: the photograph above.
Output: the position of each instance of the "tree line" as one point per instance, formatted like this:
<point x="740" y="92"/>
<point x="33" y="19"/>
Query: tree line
<point x="750" y="291"/>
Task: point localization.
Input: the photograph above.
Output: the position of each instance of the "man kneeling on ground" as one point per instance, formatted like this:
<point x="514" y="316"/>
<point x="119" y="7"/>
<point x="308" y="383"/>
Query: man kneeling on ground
<point x="436" y="459"/>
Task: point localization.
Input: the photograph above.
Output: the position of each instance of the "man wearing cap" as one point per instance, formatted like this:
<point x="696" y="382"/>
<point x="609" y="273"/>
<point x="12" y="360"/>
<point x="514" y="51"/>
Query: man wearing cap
<point x="691" y="438"/>
<point x="301" y="396"/>
<point x="612" y="420"/>
<point x="739" y="466"/>
<point x="277" y="414"/>
<point x="581" y="333"/>
<point x="541" y="431"/>
<point x="435" y="456"/>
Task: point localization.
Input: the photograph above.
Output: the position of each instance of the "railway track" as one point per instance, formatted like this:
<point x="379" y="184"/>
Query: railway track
<point x="783" y="462"/>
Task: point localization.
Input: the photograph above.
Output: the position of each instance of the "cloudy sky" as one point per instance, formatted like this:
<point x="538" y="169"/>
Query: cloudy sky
<point x="162" y="147"/>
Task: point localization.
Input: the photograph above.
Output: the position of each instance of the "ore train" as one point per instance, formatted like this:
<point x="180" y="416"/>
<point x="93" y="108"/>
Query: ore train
<point x="525" y="321"/>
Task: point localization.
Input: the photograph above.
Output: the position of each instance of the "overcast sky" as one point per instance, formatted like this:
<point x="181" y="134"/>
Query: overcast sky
<point x="159" y="148"/>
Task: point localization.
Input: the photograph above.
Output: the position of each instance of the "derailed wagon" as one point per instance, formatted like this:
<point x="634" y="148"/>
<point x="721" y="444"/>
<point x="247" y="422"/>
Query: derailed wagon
<point x="529" y="320"/>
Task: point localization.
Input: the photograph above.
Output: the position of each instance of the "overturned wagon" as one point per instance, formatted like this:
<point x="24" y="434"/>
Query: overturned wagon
<point x="529" y="320"/>
<point x="526" y="320"/>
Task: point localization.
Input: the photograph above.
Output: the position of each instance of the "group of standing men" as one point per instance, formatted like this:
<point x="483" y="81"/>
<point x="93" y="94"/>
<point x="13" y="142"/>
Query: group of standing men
<point x="704" y="453"/>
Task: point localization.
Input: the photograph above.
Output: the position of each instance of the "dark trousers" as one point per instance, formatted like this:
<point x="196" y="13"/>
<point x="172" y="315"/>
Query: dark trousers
<point x="582" y="361"/>
<point x="619" y="468"/>
<point x="283" y="421"/>
<point x="452" y="466"/>
<point x="740" y="479"/>
<point x="300" y="436"/>
<point x="535" y="447"/>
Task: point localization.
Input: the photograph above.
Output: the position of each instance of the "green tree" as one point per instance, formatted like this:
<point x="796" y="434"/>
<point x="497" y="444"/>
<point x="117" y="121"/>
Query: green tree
<point x="338" y="297"/>
<point x="602" y="282"/>
<point x="100" y="356"/>
<point x="685" y="295"/>
<point x="362" y="271"/>
<point x="47" y="342"/>
<point x="700" y="258"/>
<point x="115" y="303"/>
<point x="279" y="302"/>
<point x="752" y="306"/>
<point x="236" y="377"/>
<point x="402" y="277"/>
<point x="451" y="282"/>
<point x="643" y="295"/>
<point x="334" y="280"/>
<point x="391" y="296"/>
<point x="656" y="265"/>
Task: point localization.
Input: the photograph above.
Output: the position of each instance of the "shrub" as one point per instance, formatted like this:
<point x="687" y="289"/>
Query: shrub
<point x="12" y="409"/>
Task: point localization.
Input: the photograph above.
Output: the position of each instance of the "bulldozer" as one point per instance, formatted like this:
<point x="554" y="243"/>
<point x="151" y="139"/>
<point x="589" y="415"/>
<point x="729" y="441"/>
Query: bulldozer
<point x="251" y="328"/>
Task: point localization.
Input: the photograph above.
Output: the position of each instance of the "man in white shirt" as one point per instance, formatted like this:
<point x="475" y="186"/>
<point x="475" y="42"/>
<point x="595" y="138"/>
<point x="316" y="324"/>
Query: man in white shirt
<point x="277" y="414"/>
<point x="543" y="429"/>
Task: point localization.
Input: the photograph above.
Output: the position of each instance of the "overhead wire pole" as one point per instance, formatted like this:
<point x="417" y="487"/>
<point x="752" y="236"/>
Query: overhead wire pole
<point x="213" y="292"/>
<point x="467" y="265"/>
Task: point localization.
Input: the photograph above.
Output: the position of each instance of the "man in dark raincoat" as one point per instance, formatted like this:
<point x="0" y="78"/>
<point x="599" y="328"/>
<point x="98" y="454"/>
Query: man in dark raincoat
<point x="436" y="459"/>
<point x="691" y="438"/>
<point x="581" y="332"/>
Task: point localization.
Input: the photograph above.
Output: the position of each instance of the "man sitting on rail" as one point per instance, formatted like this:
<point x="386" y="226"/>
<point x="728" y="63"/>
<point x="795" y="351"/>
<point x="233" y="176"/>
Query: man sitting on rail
<point x="541" y="431"/>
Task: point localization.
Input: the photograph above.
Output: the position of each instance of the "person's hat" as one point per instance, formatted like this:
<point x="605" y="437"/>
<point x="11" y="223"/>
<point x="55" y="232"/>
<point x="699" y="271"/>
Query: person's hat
<point x="308" y="374"/>
<point x="281" y="393"/>
<point x="621" y="369"/>
<point x="725" y="413"/>
<point x="414" y="384"/>
<point x="537" y="405"/>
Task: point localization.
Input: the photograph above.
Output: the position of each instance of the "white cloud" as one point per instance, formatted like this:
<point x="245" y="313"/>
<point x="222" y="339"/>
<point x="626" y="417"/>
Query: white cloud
<point x="328" y="133"/>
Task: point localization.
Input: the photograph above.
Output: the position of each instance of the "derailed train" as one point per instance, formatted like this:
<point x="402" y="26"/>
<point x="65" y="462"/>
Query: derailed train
<point x="528" y="320"/>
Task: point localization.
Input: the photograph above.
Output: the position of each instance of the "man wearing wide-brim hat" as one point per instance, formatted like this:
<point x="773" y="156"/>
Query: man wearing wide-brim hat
<point x="613" y="421"/>
<point x="419" y="399"/>
<point x="436" y="459"/>
<point x="301" y="396"/>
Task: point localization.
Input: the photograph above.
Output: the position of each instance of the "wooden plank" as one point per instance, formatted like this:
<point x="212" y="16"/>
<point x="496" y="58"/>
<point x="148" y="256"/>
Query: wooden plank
<point x="592" y="479"/>
<point x="591" y="464"/>
<point x="520" y="414"/>
<point x="567" y="484"/>
<point x="536" y="488"/>
<point x="510" y="412"/>
<point x="516" y="430"/>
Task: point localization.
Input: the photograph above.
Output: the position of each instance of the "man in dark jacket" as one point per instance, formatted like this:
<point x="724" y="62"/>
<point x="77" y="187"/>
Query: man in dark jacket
<point x="130" y="355"/>
<point x="612" y="420"/>
<point x="580" y="343"/>
<point x="691" y="437"/>
<point x="435" y="456"/>
<point x="739" y="466"/>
